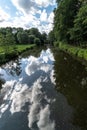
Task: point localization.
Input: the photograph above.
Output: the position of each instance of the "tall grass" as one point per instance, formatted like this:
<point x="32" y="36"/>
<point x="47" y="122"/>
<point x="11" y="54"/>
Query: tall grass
<point x="77" y="51"/>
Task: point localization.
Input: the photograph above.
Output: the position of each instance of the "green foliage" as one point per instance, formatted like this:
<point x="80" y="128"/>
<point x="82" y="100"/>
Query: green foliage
<point x="31" y="39"/>
<point x="1" y="39"/>
<point x="13" y="52"/>
<point x="64" y="19"/>
<point x="51" y="37"/>
<point x="79" y="32"/>
<point x="2" y="58"/>
<point x="11" y="36"/>
<point x="22" y="37"/>
<point x="21" y="48"/>
<point x="37" y="41"/>
<point x="44" y="38"/>
<point x="35" y="32"/>
<point x="70" y="22"/>
<point x="76" y="51"/>
<point x="6" y="38"/>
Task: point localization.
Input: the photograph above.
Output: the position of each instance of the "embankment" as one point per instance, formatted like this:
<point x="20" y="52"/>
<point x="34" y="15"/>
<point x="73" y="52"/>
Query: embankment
<point x="78" y="52"/>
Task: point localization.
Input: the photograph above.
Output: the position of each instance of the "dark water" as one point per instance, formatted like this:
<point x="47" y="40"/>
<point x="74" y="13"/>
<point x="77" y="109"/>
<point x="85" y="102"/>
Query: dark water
<point x="47" y="92"/>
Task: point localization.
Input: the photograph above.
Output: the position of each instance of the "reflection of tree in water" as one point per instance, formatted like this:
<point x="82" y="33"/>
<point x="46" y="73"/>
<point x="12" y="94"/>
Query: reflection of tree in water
<point x="1" y="82"/>
<point x="14" y="68"/>
<point x="71" y="80"/>
<point x="35" y="52"/>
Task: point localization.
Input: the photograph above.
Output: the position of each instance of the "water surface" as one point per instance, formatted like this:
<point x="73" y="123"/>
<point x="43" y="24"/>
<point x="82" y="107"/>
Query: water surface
<point x="47" y="92"/>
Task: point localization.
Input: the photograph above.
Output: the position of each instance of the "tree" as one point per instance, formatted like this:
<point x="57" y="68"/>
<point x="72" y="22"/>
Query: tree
<point x="51" y="37"/>
<point x="64" y="18"/>
<point x="22" y="37"/>
<point x="37" y="41"/>
<point x="9" y="39"/>
<point x="31" y="39"/>
<point x="43" y="38"/>
<point x="2" y="40"/>
<point x="35" y="32"/>
<point x="9" y="42"/>
<point x="79" y="31"/>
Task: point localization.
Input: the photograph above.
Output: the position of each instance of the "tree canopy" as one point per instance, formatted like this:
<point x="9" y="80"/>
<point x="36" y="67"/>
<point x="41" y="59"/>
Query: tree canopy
<point x="9" y="36"/>
<point x="70" y="21"/>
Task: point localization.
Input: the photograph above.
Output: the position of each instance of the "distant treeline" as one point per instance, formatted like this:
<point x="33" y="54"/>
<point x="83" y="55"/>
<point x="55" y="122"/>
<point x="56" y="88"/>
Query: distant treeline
<point x="11" y="36"/>
<point x="70" y="22"/>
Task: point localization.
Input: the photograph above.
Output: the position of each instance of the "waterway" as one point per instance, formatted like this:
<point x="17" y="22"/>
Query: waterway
<point x="45" y="91"/>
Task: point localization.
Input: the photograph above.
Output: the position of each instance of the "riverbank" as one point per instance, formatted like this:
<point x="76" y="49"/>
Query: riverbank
<point x="13" y="52"/>
<point x="75" y="51"/>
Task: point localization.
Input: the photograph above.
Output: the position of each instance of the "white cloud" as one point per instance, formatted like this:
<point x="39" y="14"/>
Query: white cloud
<point x="26" y="5"/>
<point x="51" y="17"/>
<point x="26" y="15"/>
<point x="23" y="5"/>
<point x="3" y="15"/>
<point x="45" y="3"/>
<point x="30" y="8"/>
<point x="46" y="28"/>
<point x="43" y="16"/>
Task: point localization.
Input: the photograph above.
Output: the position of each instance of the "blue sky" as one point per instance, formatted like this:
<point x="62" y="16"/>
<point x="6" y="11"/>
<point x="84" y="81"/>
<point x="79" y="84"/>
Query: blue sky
<point x="27" y="14"/>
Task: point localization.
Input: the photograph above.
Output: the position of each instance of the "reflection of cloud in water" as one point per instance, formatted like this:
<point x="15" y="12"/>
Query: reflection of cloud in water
<point x="15" y="94"/>
<point x="43" y="103"/>
<point x="44" y="122"/>
<point x="11" y="70"/>
<point x="38" y="112"/>
<point x="44" y="63"/>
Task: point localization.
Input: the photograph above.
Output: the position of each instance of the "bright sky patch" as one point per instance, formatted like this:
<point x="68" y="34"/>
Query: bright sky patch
<point x="27" y="14"/>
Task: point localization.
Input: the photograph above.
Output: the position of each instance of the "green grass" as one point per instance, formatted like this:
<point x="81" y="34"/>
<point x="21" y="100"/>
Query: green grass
<point x="76" y="51"/>
<point x="19" y="48"/>
<point x="10" y="52"/>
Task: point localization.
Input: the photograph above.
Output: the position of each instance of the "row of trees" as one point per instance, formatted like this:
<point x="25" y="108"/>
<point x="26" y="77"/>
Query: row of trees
<point x="70" y="21"/>
<point x="13" y="36"/>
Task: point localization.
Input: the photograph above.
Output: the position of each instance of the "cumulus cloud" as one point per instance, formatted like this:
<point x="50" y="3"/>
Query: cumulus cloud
<point x="43" y="16"/>
<point x="25" y="6"/>
<point x="51" y="17"/>
<point x="45" y="3"/>
<point x="26" y="15"/>
<point x="30" y="8"/>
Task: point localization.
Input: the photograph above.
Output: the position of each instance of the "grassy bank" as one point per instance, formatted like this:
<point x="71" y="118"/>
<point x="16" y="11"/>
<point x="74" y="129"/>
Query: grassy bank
<point x="76" y="51"/>
<point x="19" y="48"/>
<point x="8" y="53"/>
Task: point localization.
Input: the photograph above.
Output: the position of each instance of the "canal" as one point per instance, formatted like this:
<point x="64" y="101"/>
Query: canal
<point x="45" y="91"/>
